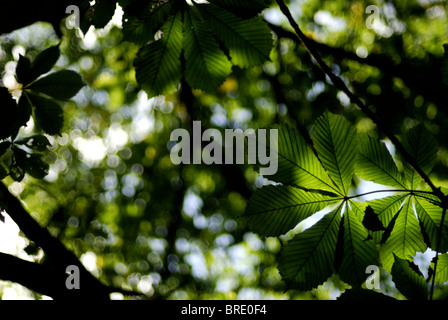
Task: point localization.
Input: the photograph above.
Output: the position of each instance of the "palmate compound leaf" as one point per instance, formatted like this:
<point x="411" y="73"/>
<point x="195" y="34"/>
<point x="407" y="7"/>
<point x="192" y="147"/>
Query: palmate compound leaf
<point x="374" y="163"/>
<point x="48" y="113"/>
<point x="206" y="66"/>
<point x="337" y="145"/>
<point x="205" y="38"/>
<point x="306" y="261"/>
<point x="28" y="71"/>
<point x="422" y="147"/>
<point x="157" y="66"/>
<point x="275" y="210"/>
<point x="409" y="280"/>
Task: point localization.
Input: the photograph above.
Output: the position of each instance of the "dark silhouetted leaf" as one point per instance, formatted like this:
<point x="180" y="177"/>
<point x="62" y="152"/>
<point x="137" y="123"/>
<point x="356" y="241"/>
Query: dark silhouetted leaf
<point x="61" y="85"/>
<point x="306" y="261"/>
<point x="371" y="221"/>
<point x="28" y="72"/>
<point x="140" y="26"/>
<point x="37" y="142"/>
<point x="249" y="40"/>
<point x="48" y="114"/>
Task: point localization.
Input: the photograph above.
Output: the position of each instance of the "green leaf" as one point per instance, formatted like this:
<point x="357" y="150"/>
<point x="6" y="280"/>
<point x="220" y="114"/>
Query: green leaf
<point x="297" y="164"/>
<point x="61" y="85"/>
<point x="422" y="147"/>
<point x="358" y="252"/>
<point x="28" y="72"/>
<point x="249" y="41"/>
<point x="374" y="163"/>
<point x="103" y="12"/>
<point x="409" y="280"/>
<point x="142" y="27"/>
<point x="405" y="239"/>
<point x="336" y="144"/>
<point x="442" y="269"/>
<point x="157" y="66"/>
<point x="275" y="210"/>
<point x="430" y="216"/>
<point x="206" y="66"/>
<point x="48" y="114"/>
<point x="306" y="261"/>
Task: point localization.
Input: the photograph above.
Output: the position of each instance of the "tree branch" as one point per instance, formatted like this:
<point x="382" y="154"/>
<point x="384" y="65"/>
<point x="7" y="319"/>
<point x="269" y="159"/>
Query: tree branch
<point x="56" y="253"/>
<point x="40" y="278"/>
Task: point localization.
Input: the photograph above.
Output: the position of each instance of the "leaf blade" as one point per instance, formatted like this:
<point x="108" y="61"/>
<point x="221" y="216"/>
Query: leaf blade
<point x="336" y="144"/>
<point x="249" y="40"/>
<point x="297" y="164"/>
<point x="206" y="66"/>
<point x="422" y="147"/>
<point x="306" y="261"/>
<point x="374" y="163"/>
<point x="408" y="280"/>
<point x="60" y="85"/>
<point x="358" y="251"/>
<point x="275" y="210"/>
<point x="157" y="66"/>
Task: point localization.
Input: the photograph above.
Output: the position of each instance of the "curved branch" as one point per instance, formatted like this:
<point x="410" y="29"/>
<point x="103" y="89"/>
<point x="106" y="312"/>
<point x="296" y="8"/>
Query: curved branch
<point x="57" y="255"/>
<point x="40" y="278"/>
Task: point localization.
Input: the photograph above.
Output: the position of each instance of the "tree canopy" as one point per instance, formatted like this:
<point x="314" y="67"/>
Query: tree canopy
<point x="356" y="90"/>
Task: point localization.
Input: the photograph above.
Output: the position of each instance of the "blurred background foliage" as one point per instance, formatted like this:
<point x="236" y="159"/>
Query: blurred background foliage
<point x="175" y="232"/>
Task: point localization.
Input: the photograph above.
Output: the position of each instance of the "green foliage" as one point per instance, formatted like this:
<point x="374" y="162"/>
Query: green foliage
<point x="157" y="66"/>
<point x="173" y="231"/>
<point x="37" y="98"/>
<point x="248" y="43"/>
<point x="353" y="235"/>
